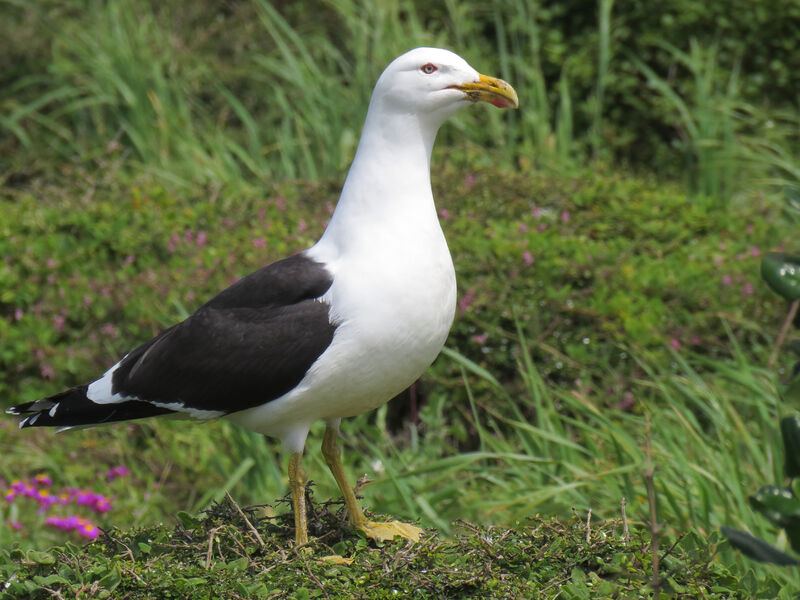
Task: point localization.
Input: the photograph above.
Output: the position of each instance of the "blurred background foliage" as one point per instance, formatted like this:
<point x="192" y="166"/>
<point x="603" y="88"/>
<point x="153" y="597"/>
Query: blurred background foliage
<point x="607" y="238"/>
<point x="225" y="91"/>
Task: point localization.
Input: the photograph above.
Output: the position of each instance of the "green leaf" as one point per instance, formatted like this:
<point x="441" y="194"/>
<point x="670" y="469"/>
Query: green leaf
<point x="111" y="579"/>
<point x="189" y="521"/>
<point x="757" y="549"/>
<point x="779" y="505"/>
<point x="793" y="533"/>
<point x="790" y="432"/>
<point x="49" y="580"/>
<point x="782" y="273"/>
<point x="42" y="558"/>
<point x="145" y="548"/>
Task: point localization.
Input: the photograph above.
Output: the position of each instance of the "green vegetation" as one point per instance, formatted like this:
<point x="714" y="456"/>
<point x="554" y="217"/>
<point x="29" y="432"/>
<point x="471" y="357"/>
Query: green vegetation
<point x="607" y="238"/>
<point x="223" y="555"/>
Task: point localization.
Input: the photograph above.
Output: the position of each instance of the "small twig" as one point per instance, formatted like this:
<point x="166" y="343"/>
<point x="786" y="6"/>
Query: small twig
<point x="246" y="520"/>
<point x="651" y="496"/>
<point x="210" y="553"/>
<point x="625" y="532"/>
<point x="311" y="575"/>
<point x="588" y="526"/>
<point x="787" y="323"/>
<point x="362" y="481"/>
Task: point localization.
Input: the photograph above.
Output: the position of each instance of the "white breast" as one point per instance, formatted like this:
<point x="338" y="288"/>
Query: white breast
<point x="393" y="312"/>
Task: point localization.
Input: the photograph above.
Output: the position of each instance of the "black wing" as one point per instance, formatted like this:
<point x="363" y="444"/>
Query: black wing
<point x="248" y="345"/>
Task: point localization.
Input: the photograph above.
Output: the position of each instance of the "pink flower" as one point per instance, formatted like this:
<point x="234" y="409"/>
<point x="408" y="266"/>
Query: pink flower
<point x="727" y="280"/>
<point x="527" y="257"/>
<point x="42" y="479"/>
<point x="18" y="314"/>
<point x="523" y="228"/>
<point x="129" y="260"/>
<point x="466" y="300"/>
<point x="444" y="214"/>
<point x="259" y="242"/>
<point x="202" y="236"/>
<point x="15" y="525"/>
<point x="747" y="289"/>
<point x="469" y="180"/>
<point x="173" y="243"/>
<point x="48" y="372"/>
<point x="674" y="344"/>
<point x="565" y="216"/>
<point x="755" y="252"/>
<point x="480" y="339"/>
<point x="188" y="236"/>
<point x="280" y="202"/>
<point x="536" y="211"/>
<point x="301" y="226"/>
<point x="114" y="472"/>
<point x="58" y="323"/>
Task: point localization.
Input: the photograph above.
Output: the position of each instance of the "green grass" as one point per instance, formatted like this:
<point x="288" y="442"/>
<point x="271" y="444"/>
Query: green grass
<point x="223" y="554"/>
<point x="151" y="154"/>
<point x="540" y="423"/>
<point x="284" y="96"/>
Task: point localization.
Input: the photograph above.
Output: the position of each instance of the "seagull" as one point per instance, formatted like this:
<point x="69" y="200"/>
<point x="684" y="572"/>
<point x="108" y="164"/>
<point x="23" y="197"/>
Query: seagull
<point x="331" y="332"/>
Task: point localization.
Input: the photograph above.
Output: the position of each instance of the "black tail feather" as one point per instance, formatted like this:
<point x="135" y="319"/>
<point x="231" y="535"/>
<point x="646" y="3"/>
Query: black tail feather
<point x="73" y="408"/>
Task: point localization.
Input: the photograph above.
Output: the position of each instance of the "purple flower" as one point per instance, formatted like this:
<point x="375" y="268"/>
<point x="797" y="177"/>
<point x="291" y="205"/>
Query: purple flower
<point x="202" y="236"/>
<point x="114" y="472"/>
<point x="466" y="300"/>
<point x="18" y="314"/>
<point x="527" y="257"/>
<point x="58" y="323"/>
<point x="565" y="216"/>
<point x="173" y="243"/>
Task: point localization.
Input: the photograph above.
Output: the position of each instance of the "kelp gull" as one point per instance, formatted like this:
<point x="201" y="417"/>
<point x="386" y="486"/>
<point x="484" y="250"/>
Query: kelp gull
<point x="332" y="332"/>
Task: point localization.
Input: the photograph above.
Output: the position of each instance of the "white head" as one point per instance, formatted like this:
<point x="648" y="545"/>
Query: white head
<point x="437" y="82"/>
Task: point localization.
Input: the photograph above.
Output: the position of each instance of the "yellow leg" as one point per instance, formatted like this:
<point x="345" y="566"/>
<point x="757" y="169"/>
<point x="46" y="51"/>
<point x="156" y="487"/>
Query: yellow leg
<point x="376" y="531"/>
<point x="297" y="483"/>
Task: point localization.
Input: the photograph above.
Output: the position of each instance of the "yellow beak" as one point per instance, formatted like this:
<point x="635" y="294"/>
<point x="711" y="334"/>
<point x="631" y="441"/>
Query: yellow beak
<point x="491" y="90"/>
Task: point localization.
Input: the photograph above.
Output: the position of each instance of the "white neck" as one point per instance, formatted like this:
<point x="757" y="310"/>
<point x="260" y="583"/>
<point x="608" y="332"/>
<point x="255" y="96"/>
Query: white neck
<point x="388" y="185"/>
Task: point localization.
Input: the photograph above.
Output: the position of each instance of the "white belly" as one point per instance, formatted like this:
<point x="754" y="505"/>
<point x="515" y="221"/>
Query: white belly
<point x="392" y="323"/>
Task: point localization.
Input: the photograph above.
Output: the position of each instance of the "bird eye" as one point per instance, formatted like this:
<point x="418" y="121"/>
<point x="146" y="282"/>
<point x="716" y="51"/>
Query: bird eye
<point x="429" y="68"/>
